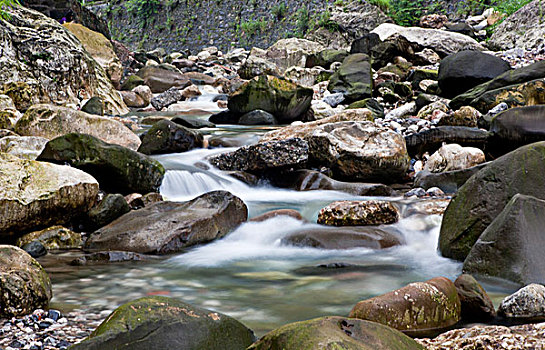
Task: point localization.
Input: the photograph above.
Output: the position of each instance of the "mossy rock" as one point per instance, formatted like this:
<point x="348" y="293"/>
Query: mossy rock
<point x="371" y="104"/>
<point x="132" y="82"/>
<point x="5" y="120"/>
<point x="117" y="169"/>
<point x="22" y="95"/>
<point x="24" y="284"/>
<point x="527" y="94"/>
<point x="335" y="333"/>
<point x="166" y="136"/>
<point x="325" y="58"/>
<point x="354" y="78"/>
<point x="485" y="194"/>
<point x="167" y="323"/>
<point x="285" y="100"/>
<point x="420" y="308"/>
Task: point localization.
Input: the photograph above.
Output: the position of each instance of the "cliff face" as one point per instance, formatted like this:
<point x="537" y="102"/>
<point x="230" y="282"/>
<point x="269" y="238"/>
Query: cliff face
<point x="177" y="25"/>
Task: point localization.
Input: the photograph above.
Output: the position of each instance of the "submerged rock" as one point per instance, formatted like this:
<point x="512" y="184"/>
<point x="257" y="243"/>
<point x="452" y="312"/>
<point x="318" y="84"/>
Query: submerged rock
<point x="511" y="246"/>
<point x="40" y="52"/>
<point x="51" y="121"/>
<point x="24" y="284"/>
<point x="117" y="169"/>
<point x="335" y="333"/>
<point x="283" y="99"/>
<point x="486" y="193"/>
<point x="166" y="136"/>
<point x="166" y="323"/>
<point x="418" y="308"/>
<point x="38" y="194"/>
<point x="358" y="213"/>
<point x="168" y="227"/>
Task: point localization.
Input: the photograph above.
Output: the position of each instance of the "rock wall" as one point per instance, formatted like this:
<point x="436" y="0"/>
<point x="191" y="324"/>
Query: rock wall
<point x="193" y="24"/>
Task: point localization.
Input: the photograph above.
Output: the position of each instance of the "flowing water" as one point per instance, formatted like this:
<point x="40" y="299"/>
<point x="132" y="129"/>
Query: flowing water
<point x="250" y="274"/>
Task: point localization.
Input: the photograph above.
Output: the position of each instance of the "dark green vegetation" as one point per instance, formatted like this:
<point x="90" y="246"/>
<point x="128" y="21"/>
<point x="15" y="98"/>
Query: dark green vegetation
<point x="5" y="4"/>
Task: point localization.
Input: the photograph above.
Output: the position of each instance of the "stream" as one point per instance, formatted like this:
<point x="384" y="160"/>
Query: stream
<point x="249" y="274"/>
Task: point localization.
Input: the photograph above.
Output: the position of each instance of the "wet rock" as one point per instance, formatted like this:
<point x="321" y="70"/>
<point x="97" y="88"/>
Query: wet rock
<point x="52" y="238"/>
<point x="509" y="78"/>
<point x="35" y="249"/>
<point x="55" y="195"/>
<point x="440" y="41"/>
<point x="138" y="201"/>
<point x="522" y="29"/>
<point x="510" y="247"/>
<point x="335" y="332"/>
<point x="100" y="48"/>
<point x="168" y="227"/>
<point x="359" y="151"/>
<point x="162" y="77"/>
<point x="448" y="181"/>
<point x="51" y="121"/>
<point x="485" y="194"/>
<point x="288" y="153"/>
<point x="167" y="323"/>
<point x="107" y="210"/>
<point x="39" y="52"/>
<point x="279" y="212"/>
<point x="465" y="116"/>
<point x="308" y="180"/>
<point x="94" y="106"/>
<point x="24" y="284"/>
<point x="257" y="117"/>
<point x="283" y="99"/>
<point x="418" y="308"/>
<point x="325" y="237"/>
<point x="192" y="123"/>
<point x="117" y="169"/>
<point x="168" y="137"/>
<point x="431" y="140"/>
<point x="476" y="304"/>
<point x="526" y="304"/>
<point x="166" y="98"/>
<point x="353" y="79"/>
<point x="464" y="70"/>
<point x="454" y="157"/>
<point x="516" y="127"/>
<point x="247" y="178"/>
<point x="358" y="213"/>
<point x="131" y="82"/>
<point x="108" y="257"/>
<point x="26" y="147"/>
<point x="225" y="117"/>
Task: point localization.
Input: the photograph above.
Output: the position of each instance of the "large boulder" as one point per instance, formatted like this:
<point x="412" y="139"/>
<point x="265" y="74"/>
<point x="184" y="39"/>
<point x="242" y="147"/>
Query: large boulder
<point x="285" y="100"/>
<point x="168" y="227"/>
<point x="526" y="94"/>
<point x="161" y="78"/>
<point x="417" y="308"/>
<point x="166" y="323"/>
<point x="513" y="77"/>
<point x="523" y="29"/>
<point x="354" y="78"/>
<point x="100" y="48"/>
<point x="516" y="127"/>
<point x="511" y="246"/>
<point x="265" y="156"/>
<point x="168" y="137"/>
<point x="485" y="194"/>
<point x="335" y="333"/>
<point x="526" y="304"/>
<point x="440" y="41"/>
<point x="50" y="121"/>
<point x="358" y="213"/>
<point x="40" y="52"/>
<point x="326" y="237"/>
<point x="476" y="304"/>
<point x="464" y="70"/>
<point x="24" y="284"/>
<point x="292" y="52"/>
<point x="37" y="194"/>
<point x="360" y="151"/>
<point x="27" y="147"/>
<point x="117" y="169"/>
<point x="454" y="157"/>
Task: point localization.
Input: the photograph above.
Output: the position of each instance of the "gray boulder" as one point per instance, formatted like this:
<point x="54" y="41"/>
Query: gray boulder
<point x="526" y="304"/>
<point x="257" y="117"/>
<point x="511" y="246"/>
<point x="353" y="79"/>
<point x="163" y="77"/>
<point x="481" y="199"/>
<point x="167" y="323"/>
<point x="166" y="136"/>
<point x="168" y="227"/>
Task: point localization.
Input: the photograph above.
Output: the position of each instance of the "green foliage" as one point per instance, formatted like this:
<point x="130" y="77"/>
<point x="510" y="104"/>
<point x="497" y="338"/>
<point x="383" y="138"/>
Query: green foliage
<point x="339" y="3"/>
<point x="324" y="21"/>
<point x="5" y="4"/>
<point x="408" y="12"/>
<point x="384" y="5"/>
<point x="303" y="21"/>
<point x="253" y="27"/>
<point x="143" y="8"/>
<point x="279" y="11"/>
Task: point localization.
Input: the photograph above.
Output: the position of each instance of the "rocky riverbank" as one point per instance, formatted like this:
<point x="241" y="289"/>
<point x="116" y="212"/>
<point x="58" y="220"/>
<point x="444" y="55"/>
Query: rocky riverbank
<point x="325" y="170"/>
